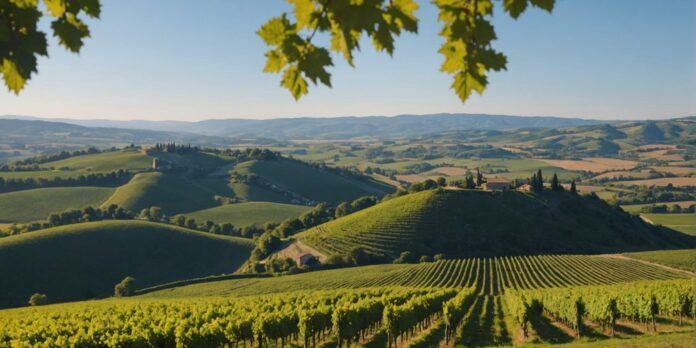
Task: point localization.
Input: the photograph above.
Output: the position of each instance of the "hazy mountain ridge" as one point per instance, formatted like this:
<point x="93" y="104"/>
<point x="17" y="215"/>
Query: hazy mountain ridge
<point x="338" y="127"/>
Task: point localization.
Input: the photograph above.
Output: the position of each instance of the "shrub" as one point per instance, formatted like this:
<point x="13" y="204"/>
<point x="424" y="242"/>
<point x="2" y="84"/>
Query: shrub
<point x="425" y="258"/>
<point x="125" y="288"/>
<point x="38" y="299"/>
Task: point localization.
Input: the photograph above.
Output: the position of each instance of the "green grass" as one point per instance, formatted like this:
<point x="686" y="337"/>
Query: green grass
<point x="318" y="185"/>
<point x="465" y="223"/>
<point x="85" y="260"/>
<point x="37" y="204"/>
<point x="683" y="259"/>
<point x="664" y="340"/>
<point x="690" y="230"/>
<point x="489" y="276"/>
<point x="173" y="193"/>
<point x="130" y="159"/>
<point x="250" y="213"/>
<point x="672" y="219"/>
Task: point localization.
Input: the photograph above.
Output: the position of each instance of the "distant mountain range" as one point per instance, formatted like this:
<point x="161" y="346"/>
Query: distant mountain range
<point x="336" y="127"/>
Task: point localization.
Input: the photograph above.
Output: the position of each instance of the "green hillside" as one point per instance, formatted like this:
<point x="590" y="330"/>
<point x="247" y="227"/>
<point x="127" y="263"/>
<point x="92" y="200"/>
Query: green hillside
<point x="463" y="223"/>
<point x="250" y="213"/>
<point x="129" y="159"/>
<point x="173" y="193"/>
<point x="32" y="205"/>
<point x="86" y="260"/>
<point x="311" y="182"/>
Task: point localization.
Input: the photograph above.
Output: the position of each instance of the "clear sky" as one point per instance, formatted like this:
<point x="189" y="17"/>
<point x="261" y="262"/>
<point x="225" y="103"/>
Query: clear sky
<point x="192" y="60"/>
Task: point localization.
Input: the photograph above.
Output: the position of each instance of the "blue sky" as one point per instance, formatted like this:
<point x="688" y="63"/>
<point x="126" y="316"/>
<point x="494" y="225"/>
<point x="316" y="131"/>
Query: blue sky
<point x="191" y="60"/>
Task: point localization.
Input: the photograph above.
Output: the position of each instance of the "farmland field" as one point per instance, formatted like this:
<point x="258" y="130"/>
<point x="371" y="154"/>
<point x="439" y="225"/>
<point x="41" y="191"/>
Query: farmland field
<point x="676" y="181"/>
<point x="249" y="213"/>
<point x="672" y="219"/>
<point x="36" y="204"/>
<point x="683" y="259"/>
<point x="636" y="208"/>
<point x="594" y="165"/>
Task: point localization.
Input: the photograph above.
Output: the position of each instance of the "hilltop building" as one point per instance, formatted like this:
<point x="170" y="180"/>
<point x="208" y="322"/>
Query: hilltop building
<point x="496" y="184"/>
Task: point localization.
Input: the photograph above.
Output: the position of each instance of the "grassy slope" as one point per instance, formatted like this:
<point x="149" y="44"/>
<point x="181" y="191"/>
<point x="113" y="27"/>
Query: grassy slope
<point x="684" y="259"/>
<point x="86" y="260"/>
<point x="130" y="159"/>
<point x="250" y="213"/>
<point x="32" y="205"/>
<point x="672" y="219"/>
<point x="310" y="182"/>
<point x="463" y="223"/>
<point x="173" y="193"/>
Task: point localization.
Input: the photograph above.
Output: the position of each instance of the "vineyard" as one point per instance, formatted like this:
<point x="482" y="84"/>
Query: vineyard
<point x="468" y="223"/>
<point x="488" y="276"/>
<point x="378" y="317"/>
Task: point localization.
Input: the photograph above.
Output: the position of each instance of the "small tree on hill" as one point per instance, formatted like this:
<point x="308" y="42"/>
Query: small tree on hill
<point x="573" y="189"/>
<point x="180" y="220"/>
<point x="469" y="182"/>
<point x="125" y="288"/>
<point x="442" y="182"/>
<point x="540" y="181"/>
<point x="343" y="209"/>
<point x="38" y="299"/>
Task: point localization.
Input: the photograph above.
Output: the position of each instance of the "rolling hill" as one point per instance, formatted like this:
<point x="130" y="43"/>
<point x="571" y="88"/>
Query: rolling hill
<point x="171" y="192"/>
<point x="86" y="260"/>
<point x="127" y="159"/>
<point x="304" y="180"/>
<point x="463" y="223"/>
<point x="37" y="204"/>
<point x="249" y="213"/>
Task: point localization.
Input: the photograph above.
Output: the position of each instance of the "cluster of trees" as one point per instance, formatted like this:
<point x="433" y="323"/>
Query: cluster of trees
<point x="654" y="194"/>
<point x="470" y="181"/>
<point x="73" y="216"/>
<point x="536" y="182"/>
<point x="270" y="240"/>
<point x="247" y="154"/>
<point x="237" y="177"/>
<point x="20" y="168"/>
<point x="663" y="208"/>
<point x="276" y="265"/>
<point x="391" y="173"/>
<point x="173" y="148"/>
<point x="93" y="179"/>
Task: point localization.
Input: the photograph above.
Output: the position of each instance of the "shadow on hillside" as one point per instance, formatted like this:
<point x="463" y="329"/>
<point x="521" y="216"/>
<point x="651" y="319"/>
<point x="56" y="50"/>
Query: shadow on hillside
<point x="547" y="332"/>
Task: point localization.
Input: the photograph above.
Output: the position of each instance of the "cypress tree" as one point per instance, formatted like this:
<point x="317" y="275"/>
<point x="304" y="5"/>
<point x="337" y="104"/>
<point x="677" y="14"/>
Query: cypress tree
<point x="479" y="178"/>
<point x="540" y="181"/>
<point x="573" y="189"/>
<point x="555" y="186"/>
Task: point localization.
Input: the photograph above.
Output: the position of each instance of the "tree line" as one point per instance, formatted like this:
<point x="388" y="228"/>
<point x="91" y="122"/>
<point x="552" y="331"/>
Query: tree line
<point x="113" y="178"/>
<point x="73" y="216"/>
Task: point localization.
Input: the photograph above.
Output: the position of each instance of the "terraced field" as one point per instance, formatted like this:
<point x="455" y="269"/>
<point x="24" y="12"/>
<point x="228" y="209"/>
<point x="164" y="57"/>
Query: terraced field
<point x="489" y="276"/>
